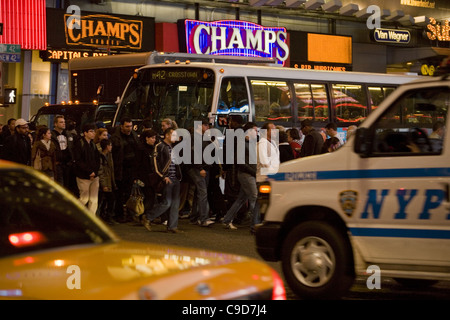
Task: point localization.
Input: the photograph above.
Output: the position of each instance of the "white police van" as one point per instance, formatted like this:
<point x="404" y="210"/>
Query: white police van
<point x="382" y="199"/>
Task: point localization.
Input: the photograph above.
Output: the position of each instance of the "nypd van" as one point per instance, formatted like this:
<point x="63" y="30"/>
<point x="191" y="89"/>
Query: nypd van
<point x="382" y="200"/>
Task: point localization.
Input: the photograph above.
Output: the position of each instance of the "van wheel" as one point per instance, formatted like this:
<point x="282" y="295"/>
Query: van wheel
<point x="316" y="261"/>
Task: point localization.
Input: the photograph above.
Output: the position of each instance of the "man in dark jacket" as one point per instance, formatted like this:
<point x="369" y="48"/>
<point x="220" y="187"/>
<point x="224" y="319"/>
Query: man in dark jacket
<point x="198" y="172"/>
<point x="125" y="144"/>
<point x="17" y="146"/>
<point x="87" y="165"/>
<point x="247" y="179"/>
<point x="313" y="142"/>
<point x="63" y="142"/>
<point x="170" y="172"/>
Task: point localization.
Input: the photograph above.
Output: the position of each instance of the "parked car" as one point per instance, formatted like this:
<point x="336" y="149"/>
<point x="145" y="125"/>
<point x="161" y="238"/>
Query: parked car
<point x="51" y="247"/>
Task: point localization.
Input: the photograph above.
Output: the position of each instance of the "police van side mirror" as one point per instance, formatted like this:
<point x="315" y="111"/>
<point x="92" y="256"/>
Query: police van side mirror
<point x="363" y="142"/>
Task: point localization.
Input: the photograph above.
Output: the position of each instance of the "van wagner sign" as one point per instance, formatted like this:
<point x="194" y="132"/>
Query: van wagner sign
<point x="237" y="38"/>
<point x="391" y="36"/>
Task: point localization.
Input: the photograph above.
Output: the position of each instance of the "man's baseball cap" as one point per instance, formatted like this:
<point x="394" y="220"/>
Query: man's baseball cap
<point x="21" y="122"/>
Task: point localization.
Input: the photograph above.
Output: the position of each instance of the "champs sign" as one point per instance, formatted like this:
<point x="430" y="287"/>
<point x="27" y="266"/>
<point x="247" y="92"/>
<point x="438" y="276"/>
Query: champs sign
<point x="236" y="38"/>
<point x="103" y="30"/>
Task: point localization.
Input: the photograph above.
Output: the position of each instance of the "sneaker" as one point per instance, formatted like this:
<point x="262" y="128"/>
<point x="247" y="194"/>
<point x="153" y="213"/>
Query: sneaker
<point x="146" y="223"/>
<point x="165" y="223"/>
<point x="174" y="231"/>
<point x="230" y="226"/>
<point x="206" y="223"/>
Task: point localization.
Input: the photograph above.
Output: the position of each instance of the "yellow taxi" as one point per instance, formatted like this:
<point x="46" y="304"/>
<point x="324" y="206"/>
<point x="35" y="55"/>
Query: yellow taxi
<point x="51" y="247"/>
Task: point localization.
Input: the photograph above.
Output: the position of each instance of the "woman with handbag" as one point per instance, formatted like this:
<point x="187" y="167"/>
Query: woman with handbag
<point x="43" y="153"/>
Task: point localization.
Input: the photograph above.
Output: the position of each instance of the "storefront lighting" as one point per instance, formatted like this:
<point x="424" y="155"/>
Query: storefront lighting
<point x="385" y="13"/>
<point x="257" y="3"/>
<point x="332" y="5"/>
<point x="421" y="21"/>
<point x="314" y="4"/>
<point x="349" y="9"/>
<point x="406" y="20"/>
<point x="294" y="3"/>
<point x="274" y="2"/>
<point x="396" y="15"/>
<point x="363" y="14"/>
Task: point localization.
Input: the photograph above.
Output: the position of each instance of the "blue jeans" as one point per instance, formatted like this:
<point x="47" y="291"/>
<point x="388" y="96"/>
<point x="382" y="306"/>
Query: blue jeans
<point x="170" y="199"/>
<point x="201" y="212"/>
<point x="247" y="192"/>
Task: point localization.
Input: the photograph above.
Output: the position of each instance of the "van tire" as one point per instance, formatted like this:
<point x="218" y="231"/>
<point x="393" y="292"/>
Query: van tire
<point x="316" y="261"/>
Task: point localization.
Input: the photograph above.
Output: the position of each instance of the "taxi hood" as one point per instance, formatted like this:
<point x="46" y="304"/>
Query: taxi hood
<point x="122" y="270"/>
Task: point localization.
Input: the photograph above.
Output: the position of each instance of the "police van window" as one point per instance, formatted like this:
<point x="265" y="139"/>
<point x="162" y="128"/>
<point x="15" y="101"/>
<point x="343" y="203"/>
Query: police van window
<point x="233" y="96"/>
<point x="414" y="124"/>
<point x="312" y="102"/>
<point x="350" y="102"/>
<point x="272" y="101"/>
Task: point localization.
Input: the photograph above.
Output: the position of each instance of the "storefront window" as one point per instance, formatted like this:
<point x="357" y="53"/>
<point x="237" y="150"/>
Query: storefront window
<point x="40" y="83"/>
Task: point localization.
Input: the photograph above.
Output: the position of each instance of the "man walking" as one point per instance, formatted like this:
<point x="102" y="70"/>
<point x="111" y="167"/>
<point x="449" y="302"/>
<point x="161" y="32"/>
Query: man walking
<point x="87" y="165"/>
<point x="166" y="168"/>
<point x="247" y="179"/>
<point x="125" y="144"/>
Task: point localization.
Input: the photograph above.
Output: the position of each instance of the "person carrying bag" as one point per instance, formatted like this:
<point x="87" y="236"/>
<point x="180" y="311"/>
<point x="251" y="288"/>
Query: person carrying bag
<point x="135" y="203"/>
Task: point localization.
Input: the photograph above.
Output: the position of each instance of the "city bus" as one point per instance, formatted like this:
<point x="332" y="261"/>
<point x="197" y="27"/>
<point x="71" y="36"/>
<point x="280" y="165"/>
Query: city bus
<point x="189" y="91"/>
<point x="103" y="78"/>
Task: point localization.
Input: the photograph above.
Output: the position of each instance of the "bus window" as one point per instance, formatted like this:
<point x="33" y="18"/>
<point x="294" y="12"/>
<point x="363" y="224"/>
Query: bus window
<point x="312" y="102"/>
<point x="233" y="96"/>
<point x="350" y="102"/>
<point x="388" y="91"/>
<point x="304" y="101"/>
<point x="320" y="102"/>
<point x="376" y="96"/>
<point x="272" y="100"/>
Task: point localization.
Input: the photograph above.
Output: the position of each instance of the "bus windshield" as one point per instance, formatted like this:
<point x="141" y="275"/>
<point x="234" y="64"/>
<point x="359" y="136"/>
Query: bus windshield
<point x="181" y="94"/>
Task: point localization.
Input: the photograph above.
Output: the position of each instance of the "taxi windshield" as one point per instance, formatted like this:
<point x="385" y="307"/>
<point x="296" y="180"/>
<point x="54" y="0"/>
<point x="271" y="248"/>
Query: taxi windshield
<point x="35" y="216"/>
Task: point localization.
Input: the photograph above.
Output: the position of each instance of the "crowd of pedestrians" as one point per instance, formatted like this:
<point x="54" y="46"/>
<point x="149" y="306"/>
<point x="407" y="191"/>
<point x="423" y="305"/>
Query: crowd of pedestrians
<point x="101" y="167"/>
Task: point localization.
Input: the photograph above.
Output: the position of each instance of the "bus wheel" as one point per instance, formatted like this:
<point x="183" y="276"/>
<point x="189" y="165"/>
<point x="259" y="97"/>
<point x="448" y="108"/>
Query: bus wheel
<point x="316" y="261"/>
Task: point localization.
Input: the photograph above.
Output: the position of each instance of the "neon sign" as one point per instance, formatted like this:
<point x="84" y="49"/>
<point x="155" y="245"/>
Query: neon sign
<point x="438" y="31"/>
<point x="236" y="38"/>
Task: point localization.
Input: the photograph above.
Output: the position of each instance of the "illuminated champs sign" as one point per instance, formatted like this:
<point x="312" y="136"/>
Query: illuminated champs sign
<point x="237" y="38"/>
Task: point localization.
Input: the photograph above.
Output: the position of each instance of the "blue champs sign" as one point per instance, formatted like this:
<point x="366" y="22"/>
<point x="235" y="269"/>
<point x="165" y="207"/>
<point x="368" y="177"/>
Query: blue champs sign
<point x="236" y="38"/>
<point x="391" y="36"/>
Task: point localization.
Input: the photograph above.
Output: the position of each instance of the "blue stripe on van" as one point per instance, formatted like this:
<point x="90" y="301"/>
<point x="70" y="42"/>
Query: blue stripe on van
<point x="400" y="233"/>
<point x="362" y="174"/>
